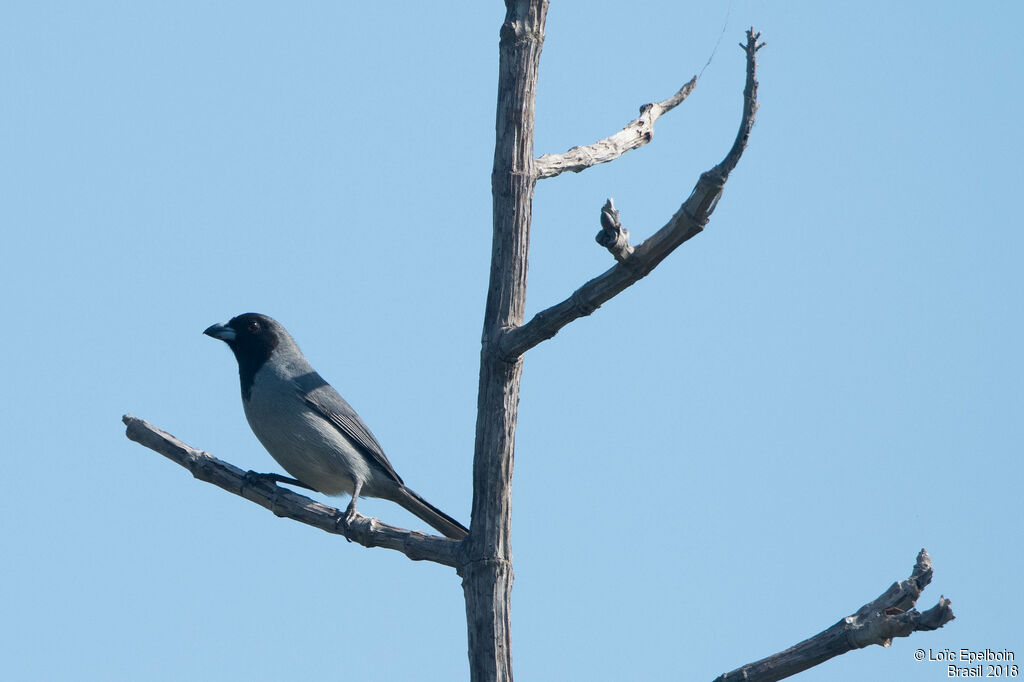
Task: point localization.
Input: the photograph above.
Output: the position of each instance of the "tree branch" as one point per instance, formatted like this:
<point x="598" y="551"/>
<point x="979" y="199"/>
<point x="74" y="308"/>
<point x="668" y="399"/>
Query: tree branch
<point x="367" y="531"/>
<point x="688" y="221"/>
<point x="637" y="133"/>
<point x="892" y="614"/>
<point x="750" y="106"/>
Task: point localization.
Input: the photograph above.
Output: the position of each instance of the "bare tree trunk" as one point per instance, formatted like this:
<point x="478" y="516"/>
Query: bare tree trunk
<point x="487" y="569"/>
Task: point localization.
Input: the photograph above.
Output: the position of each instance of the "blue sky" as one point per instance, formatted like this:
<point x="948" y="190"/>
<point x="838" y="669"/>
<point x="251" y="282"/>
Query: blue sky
<point x="729" y="457"/>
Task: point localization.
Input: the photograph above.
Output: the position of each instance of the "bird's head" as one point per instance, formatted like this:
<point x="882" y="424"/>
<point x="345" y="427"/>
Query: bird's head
<point x="254" y="338"/>
<point x="250" y="334"/>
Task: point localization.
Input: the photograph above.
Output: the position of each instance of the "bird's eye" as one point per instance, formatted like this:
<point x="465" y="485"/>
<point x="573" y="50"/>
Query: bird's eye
<point x="254" y="326"/>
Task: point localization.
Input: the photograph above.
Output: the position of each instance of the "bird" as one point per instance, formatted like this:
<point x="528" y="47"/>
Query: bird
<point x="307" y="426"/>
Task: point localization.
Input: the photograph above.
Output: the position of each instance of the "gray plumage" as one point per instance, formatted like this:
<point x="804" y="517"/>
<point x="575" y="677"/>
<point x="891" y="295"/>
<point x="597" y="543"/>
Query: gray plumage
<point x="308" y="427"/>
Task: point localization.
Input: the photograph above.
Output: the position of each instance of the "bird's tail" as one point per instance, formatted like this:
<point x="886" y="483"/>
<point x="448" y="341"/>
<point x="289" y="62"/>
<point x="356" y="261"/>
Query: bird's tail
<point x="431" y="514"/>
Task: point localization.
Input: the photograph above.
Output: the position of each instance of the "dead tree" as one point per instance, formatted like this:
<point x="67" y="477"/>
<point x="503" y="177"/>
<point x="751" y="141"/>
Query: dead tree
<point x="484" y="560"/>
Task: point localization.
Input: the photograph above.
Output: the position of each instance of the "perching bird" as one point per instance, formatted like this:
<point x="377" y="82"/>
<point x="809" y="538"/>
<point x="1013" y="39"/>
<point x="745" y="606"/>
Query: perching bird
<point x="308" y="428"/>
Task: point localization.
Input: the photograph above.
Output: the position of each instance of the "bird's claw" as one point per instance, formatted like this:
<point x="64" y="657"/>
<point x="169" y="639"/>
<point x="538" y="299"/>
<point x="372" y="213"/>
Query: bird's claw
<point x="255" y="478"/>
<point x="348" y="518"/>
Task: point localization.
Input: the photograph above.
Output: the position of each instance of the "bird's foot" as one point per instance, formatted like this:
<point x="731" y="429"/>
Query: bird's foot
<point x="253" y="477"/>
<point x="350" y="517"/>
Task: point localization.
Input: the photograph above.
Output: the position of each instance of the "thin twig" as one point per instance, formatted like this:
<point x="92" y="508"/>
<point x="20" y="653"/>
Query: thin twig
<point x="367" y="531"/>
<point x="892" y="614"/>
<point x="637" y="133"/>
<point x="750" y="106"/>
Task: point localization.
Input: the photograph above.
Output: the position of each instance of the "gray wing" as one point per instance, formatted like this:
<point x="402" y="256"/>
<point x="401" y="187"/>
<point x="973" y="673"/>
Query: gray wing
<point x="321" y="397"/>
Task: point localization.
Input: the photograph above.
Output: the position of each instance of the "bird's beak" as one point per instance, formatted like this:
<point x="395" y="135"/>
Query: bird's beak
<point x="220" y="331"/>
